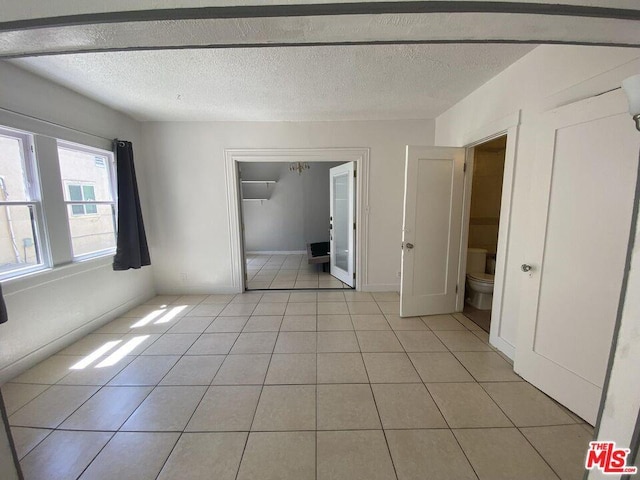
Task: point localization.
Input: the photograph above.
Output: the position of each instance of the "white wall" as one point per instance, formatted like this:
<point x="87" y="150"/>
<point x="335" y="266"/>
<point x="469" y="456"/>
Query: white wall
<point x="49" y="310"/>
<point x="547" y="77"/>
<point x="297" y="211"/>
<point x="186" y="176"/>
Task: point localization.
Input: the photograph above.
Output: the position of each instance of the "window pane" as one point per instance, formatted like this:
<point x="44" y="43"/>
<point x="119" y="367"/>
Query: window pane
<point x="75" y="193"/>
<point x="77" y="209"/>
<point x="92" y="233"/>
<point x="18" y="248"/>
<point x="88" y="192"/>
<point x="12" y="171"/>
<point x="80" y="168"/>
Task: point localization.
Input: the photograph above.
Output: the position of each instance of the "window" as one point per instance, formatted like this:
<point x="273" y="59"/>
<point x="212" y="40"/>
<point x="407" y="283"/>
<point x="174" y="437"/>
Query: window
<point x="87" y="177"/>
<point x="21" y="248"/>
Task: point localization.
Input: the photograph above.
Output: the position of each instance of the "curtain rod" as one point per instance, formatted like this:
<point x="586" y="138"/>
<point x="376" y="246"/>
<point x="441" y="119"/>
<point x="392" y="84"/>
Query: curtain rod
<point x="55" y="124"/>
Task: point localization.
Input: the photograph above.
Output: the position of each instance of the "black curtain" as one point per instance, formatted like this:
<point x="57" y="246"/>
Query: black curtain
<point x="132" y="250"/>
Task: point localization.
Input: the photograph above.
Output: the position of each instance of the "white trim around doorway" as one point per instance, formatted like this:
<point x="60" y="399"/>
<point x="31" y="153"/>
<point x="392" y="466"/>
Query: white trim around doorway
<point x="505" y="126"/>
<point x="289" y="155"/>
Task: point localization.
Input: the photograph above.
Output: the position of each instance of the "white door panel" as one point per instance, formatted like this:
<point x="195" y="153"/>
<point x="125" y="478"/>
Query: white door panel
<point x="431" y="230"/>
<point x="342" y="210"/>
<point x="582" y="197"/>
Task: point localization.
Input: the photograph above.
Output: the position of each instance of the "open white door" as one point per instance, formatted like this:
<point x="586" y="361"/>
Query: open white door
<point x="433" y="193"/>
<point x="343" y="210"/>
<point x="582" y="197"/>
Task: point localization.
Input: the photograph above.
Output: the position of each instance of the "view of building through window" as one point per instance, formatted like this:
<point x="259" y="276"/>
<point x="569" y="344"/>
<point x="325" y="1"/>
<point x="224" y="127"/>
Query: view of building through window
<point x="86" y="177"/>
<point x="18" y="247"/>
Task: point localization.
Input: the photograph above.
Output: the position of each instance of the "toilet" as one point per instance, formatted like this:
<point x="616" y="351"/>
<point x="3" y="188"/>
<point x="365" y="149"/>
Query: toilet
<point x="479" y="291"/>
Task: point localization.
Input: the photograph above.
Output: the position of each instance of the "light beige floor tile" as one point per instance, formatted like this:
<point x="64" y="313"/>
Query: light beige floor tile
<point x="282" y="284"/>
<point x="206" y="310"/>
<point x="205" y="456"/>
<point x="17" y="395"/>
<point x="332" y="308"/>
<point x="298" y="323"/>
<point x="482" y="335"/>
<point x="258" y="342"/>
<point x="135" y="344"/>
<point x="273" y="297"/>
<point x="63" y="455"/>
<point x="239" y="309"/>
<point x="435" y="367"/>
<point x="243" y="370"/>
<point x="443" y="322"/>
<point x="227" y="324"/>
<point x="346" y="407"/>
<point x="563" y="447"/>
<point x="124" y="325"/>
<point x="502" y="454"/>
<point x="331" y="297"/>
<point x="253" y="297"/>
<point x="108" y="409"/>
<point x="26" y="439"/>
<point x="390" y="368"/>
<point x="306" y="284"/>
<point x="296" y="342"/>
<point x="363" y="308"/>
<point x="143" y="310"/>
<point x="420" y="341"/>
<point x="270" y="309"/>
<point x="218" y="298"/>
<point x="406" y="323"/>
<point x="467" y="405"/>
<point x="353" y="296"/>
<point x="50" y="408"/>
<point x="428" y="454"/>
<point x="354" y="455"/>
<point x="145" y="370"/>
<point x="341" y="368"/>
<point x="337" y="342"/>
<point x="191" y="299"/>
<point x="303" y="297"/>
<point x="263" y="323"/>
<point x="392" y="308"/>
<point x="286" y="408"/>
<point x="296" y="368"/>
<point x="92" y="375"/>
<point x="279" y="456"/>
<point x="165" y="409"/>
<point x="301" y="308"/>
<point x="525" y="405"/>
<point x="466" y="321"/>
<point x="228" y="408"/>
<point x="487" y="367"/>
<point x="386" y="296"/>
<point x="190" y="325"/>
<point x="334" y="322"/>
<point x="407" y="406"/>
<point x="378" y="341"/>
<point x="462" y="341"/>
<point x="172" y="344"/>
<point x="370" y="322"/>
<point x="162" y="300"/>
<point x="132" y="456"/>
<point x="213" y="344"/>
<point x="194" y="370"/>
<point x="49" y="371"/>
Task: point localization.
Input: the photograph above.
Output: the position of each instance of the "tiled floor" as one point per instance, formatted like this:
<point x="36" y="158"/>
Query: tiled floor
<point x="482" y="318"/>
<point x="287" y="272"/>
<point x="280" y="385"/>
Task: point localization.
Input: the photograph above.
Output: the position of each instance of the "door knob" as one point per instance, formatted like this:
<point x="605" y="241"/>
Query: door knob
<point x="525" y="267"/>
<point x="409" y="245"/>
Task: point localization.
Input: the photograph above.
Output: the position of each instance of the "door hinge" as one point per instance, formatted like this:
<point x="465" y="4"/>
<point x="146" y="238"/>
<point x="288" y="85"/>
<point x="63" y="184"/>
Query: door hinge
<point x="456" y="288"/>
<point x="354" y="275"/>
<point x="464" y="168"/>
<point x="354" y="225"/>
<point x="355" y="173"/>
<point x="31" y="148"/>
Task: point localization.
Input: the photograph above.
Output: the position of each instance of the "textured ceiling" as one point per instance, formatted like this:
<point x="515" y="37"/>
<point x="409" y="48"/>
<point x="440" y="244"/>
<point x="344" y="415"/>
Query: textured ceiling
<point x="287" y="83"/>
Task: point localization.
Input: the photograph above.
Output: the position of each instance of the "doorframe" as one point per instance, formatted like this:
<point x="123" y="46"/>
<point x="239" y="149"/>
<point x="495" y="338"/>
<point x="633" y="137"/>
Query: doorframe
<point x="235" y="156"/>
<point x="508" y="126"/>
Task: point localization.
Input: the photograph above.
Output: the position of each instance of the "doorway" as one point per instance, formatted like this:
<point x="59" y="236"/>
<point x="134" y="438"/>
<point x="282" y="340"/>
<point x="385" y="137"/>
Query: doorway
<point x="236" y="158"/>
<point x="483" y="224"/>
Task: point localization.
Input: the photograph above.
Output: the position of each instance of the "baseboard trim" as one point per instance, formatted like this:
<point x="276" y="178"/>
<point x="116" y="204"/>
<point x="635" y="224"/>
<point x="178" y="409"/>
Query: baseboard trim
<point x="45" y="351"/>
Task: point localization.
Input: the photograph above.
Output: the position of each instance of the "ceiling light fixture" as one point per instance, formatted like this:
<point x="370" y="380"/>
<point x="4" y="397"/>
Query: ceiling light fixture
<point x="299" y="167"/>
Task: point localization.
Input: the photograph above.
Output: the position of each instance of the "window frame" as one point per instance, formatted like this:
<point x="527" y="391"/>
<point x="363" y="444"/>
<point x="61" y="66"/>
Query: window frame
<point x="33" y="190"/>
<point x="110" y="166"/>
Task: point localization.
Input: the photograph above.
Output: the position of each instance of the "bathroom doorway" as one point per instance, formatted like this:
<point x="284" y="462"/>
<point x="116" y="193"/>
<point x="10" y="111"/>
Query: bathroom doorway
<point x="483" y="229"/>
